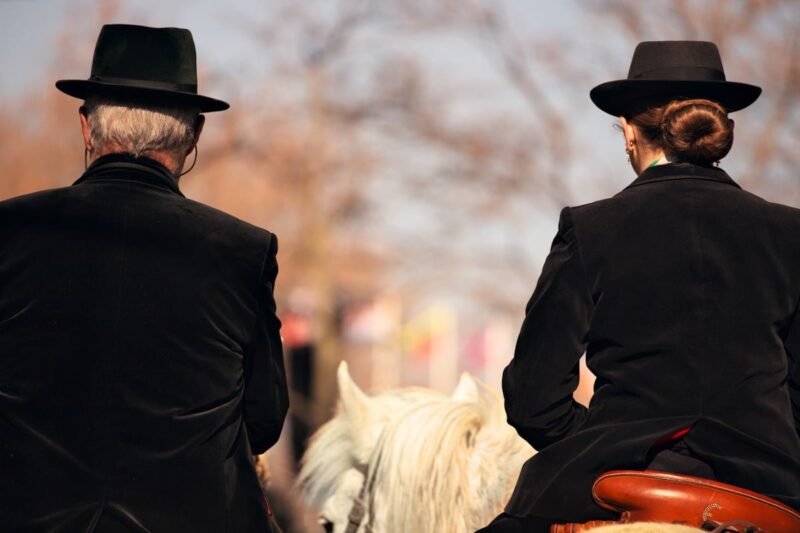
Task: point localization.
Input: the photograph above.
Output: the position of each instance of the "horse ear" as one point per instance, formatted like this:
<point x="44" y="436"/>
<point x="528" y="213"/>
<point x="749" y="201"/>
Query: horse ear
<point x="353" y="400"/>
<point x="466" y="390"/>
<point x="360" y="413"/>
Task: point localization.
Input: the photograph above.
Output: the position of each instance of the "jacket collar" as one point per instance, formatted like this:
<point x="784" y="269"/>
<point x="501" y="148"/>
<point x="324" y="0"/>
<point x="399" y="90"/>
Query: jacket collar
<point x="126" y="167"/>
<point x="680" y="171"/>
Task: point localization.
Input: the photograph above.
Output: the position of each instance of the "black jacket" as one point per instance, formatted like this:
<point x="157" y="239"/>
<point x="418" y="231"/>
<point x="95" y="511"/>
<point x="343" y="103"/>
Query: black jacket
<point x="140" y="358"/>
<point x="683" y="291"/>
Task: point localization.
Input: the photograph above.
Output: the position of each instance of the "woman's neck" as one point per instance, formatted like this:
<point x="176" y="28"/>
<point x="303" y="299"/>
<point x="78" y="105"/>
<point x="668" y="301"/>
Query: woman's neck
<point x="647" y="158"/>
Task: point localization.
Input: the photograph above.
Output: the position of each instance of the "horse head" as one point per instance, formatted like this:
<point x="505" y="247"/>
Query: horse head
<point x="336" y="462"/>
<point x="412" y="458"/>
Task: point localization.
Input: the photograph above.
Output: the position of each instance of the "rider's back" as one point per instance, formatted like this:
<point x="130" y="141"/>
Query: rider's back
<point x="690" y="287"/>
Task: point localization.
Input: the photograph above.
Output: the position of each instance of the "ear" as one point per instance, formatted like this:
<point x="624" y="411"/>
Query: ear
<point x="354" y="403"/>
<point x="198" y="129"/>
<point x="87" y="137"/>
<point x="628" y="131"/>
<point x="466" y="390"/>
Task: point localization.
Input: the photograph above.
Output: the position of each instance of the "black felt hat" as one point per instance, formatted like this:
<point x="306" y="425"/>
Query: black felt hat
<point x="673" y="69"/>
<point x="137" y="63"/>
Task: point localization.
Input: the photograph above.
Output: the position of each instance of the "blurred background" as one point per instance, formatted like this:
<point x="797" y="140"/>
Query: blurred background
<point x="411" y="155"/>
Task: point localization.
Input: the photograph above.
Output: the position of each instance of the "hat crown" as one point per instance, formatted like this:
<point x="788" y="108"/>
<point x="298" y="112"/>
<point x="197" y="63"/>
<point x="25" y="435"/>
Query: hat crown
<point x="147" y="65"/>
<point x="155" y="56"/>
<point x="676" y="60"/>
<point x="664" y="70"/>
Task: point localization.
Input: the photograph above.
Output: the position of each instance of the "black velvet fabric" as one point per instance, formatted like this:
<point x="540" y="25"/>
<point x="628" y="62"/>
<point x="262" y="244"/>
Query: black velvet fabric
<point x="683" y="291"/>
<point x="140" y="358"/>
<point x="517" y="524"/>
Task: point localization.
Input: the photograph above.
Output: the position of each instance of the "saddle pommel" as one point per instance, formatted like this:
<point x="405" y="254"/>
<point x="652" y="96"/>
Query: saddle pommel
<point x="651" y="496"/>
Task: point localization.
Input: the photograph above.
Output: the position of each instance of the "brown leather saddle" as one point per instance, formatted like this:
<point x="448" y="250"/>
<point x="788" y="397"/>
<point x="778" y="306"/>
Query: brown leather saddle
<point x="651" y="496"/>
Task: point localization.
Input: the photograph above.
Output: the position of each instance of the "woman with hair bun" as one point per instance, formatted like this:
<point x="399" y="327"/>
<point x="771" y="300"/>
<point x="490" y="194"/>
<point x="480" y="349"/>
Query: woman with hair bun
<point x="695" y="130"/>
<point x="682" y="290"/>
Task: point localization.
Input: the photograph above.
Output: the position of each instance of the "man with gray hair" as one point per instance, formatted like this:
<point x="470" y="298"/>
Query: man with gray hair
<point x="141" y="365"/>
<point x="163" y="133"/>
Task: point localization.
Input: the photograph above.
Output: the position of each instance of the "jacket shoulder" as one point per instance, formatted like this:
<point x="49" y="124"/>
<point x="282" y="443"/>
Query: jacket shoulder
<point x="631" y="206"/>
<point x="202" y="217"/>
<point x="32" y="198"/>
<point x="225" y="220"/>
<point x="591" y="209"/>
<point x="633" y="195"/>
<point x="781" y="209"/>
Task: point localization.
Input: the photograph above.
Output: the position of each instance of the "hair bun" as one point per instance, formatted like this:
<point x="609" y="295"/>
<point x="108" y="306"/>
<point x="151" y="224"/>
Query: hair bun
<point x="696" y="131"/>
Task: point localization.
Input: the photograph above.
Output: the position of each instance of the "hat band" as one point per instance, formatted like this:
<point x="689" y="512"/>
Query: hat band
<point x="681" y="74"/>
<point x="147" y="84"/>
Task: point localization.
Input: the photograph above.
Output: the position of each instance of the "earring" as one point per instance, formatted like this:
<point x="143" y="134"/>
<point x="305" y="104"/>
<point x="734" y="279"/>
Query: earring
<point x="629" y="151"/>
<point x="85" y="158"/>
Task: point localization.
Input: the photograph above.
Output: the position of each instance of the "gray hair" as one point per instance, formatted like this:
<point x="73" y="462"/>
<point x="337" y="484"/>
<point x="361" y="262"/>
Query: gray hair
<point x="139" y="128"/>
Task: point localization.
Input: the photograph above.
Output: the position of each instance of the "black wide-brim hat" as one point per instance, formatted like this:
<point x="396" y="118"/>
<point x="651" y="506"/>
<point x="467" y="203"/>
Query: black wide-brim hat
<point x="661" y="70"/>
<point x="141" y="64"/>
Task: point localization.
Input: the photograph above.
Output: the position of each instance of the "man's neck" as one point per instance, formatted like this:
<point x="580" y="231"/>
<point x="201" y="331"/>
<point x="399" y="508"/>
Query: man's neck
<point x="168" y="159"/>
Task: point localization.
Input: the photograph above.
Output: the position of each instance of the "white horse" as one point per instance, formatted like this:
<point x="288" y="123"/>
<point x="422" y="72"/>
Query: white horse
<point x="415" y="460"/>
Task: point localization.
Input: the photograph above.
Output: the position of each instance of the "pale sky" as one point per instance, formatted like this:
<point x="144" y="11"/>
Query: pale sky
<point x="28" y="29"/>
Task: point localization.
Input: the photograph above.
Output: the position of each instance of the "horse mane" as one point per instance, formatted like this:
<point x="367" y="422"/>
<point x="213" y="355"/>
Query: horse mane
<point x="325" y="462"/>
<point x="346" y="441"/>
<point x="430" y="462"/>
<point x="446" y="465"/>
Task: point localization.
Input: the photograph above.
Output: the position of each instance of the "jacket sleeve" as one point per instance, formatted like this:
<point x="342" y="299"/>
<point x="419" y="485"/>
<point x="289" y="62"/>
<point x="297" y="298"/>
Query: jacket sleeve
<point x="792" y="345"/>
<point x="266" y="398"/>
<point x="539" y="382"/>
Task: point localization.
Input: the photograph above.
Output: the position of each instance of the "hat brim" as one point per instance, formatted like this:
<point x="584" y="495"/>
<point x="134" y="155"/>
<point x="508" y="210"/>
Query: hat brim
<point x="85" y="88"/>
<point x="618" y="97"/>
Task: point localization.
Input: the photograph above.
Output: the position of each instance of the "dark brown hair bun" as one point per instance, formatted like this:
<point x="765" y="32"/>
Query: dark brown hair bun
<point x="696" y="131"/>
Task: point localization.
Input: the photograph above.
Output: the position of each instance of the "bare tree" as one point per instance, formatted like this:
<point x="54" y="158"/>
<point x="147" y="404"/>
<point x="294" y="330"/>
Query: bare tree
<point x="760" y="43"/>
<point x="345" y="142"/>
<point x="380" y="165"/>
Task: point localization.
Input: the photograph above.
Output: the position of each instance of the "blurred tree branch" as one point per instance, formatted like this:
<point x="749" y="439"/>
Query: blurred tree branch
<point x="759" y="41"/>
<point x="379" y="164"/>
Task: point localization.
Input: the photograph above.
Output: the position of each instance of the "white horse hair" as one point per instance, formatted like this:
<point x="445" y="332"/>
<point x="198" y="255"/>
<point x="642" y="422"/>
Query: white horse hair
<point x="431" y="462"/>
<point x="342" y="447"/>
